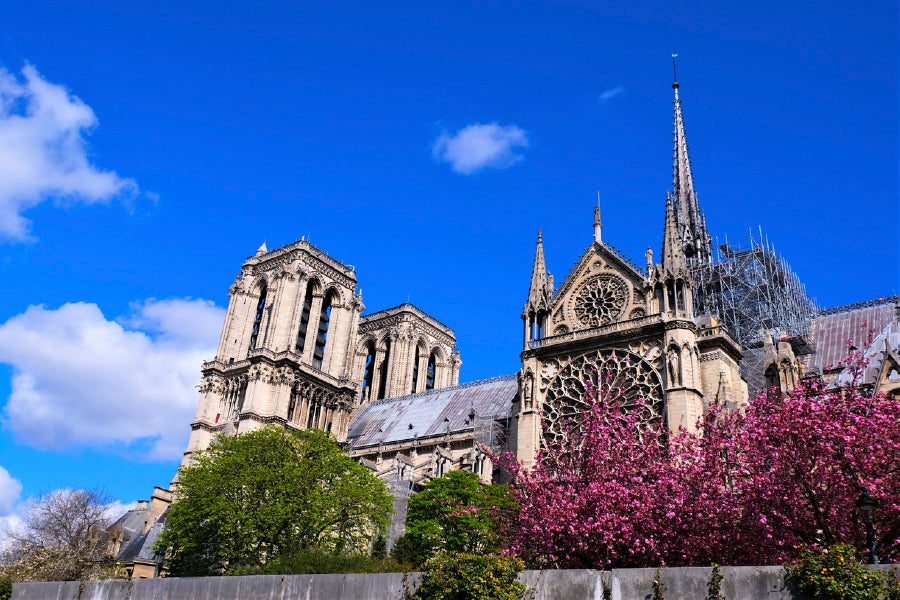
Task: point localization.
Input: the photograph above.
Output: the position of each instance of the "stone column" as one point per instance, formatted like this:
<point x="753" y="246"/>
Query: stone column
<point x="315" y="314"/>
<point x="390" y="389"/>
<point x="335" y="342"/>
<point x="423" y="371"/>
<point x="376" y="374"/>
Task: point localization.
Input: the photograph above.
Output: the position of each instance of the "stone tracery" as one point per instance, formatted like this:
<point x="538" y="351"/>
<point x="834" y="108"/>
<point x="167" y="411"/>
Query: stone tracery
<point x="600" y="300"/>
<point x="627" y="375"/>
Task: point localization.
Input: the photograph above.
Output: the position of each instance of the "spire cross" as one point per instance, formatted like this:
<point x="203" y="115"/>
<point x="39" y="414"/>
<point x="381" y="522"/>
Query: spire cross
<point x="674" y="74"/>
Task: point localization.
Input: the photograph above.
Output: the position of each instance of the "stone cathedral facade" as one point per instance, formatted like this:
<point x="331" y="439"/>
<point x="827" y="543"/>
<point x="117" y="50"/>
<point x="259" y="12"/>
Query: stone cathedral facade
<point x="295" y="351"/>
<point x="298" y="351"/>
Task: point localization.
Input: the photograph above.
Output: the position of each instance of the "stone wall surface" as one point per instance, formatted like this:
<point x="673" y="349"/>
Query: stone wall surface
<point x="739" y="583"/>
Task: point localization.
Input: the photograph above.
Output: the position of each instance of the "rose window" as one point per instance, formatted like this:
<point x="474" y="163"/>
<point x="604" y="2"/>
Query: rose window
<point x="621" y="375"/>
<point x="600" y="300"/>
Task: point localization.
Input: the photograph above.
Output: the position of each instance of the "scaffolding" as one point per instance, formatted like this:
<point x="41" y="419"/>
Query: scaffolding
<point x="492" y="433"/>
<point x="751" y="287"/>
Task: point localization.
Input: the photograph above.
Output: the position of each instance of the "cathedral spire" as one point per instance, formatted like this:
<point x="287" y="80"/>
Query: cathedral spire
<point x="598" y="226"/>
<point x="696" y="241"/>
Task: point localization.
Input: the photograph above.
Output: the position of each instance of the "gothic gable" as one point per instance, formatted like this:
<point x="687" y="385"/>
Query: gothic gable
<point x="602" y="288"/>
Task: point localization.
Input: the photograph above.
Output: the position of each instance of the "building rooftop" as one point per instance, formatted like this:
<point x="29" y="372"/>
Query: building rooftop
<point x="433" y="413"/>
<point x="835" y="327"/>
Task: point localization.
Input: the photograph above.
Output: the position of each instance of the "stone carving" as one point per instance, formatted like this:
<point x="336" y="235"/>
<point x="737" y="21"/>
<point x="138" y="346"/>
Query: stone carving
<point x="600" y="300"/>
<point x="620" y="370"/>
<point x="528" y="389"/>
<point x="674" y="363"/>
<point x="649" y="350"/>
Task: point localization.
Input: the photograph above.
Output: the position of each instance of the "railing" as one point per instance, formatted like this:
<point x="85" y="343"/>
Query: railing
<point x="716" y="330"/>
<point x="275" y="356"/>
<point x="585" y="333"/>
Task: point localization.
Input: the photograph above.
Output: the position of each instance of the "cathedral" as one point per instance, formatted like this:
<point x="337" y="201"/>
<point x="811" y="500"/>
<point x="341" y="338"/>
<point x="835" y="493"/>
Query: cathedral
<point x="696" y="326"/>
<point x="705" y="325"/>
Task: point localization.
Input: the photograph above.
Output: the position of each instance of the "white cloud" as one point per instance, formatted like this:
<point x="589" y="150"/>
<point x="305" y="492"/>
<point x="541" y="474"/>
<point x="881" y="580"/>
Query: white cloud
<point x="477" y="146"/>
<point x="611" y="93"/>
<point x="43" y="153"/>
<point x="10" y="489"/>
<point x="81" y="380"/>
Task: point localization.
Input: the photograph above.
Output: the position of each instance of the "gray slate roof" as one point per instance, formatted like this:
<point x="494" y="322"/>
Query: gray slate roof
<point x="831" y="332"/>
<point x="433" y="412"/>
<point x="137" y="546"/>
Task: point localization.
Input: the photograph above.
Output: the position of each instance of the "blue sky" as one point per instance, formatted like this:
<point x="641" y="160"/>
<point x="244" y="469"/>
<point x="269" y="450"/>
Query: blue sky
<point x="146" y="151"/>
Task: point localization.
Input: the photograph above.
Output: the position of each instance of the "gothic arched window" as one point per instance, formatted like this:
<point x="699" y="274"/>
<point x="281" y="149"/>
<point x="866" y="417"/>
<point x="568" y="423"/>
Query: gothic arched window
<point x="432" y="366"/>
<point x="383" y="370"/>
<point x="304" y="317"/>
<point x="260" y="306"/>
<point x="322" y="333"/>
<point x="369" y="371"/>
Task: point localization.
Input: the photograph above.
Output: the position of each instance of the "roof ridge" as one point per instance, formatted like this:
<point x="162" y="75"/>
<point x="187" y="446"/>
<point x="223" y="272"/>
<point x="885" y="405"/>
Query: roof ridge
<point x="446" y="389"/>
<point x="836" y="310"/>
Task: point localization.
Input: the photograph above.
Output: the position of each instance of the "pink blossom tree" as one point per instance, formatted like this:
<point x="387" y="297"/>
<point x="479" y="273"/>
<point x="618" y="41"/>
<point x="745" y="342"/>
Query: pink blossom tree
<point x="753" y="487"/>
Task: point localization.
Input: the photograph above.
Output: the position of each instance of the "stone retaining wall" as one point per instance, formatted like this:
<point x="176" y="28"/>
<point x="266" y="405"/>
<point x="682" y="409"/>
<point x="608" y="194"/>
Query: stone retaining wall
<point x="739" y="583"/>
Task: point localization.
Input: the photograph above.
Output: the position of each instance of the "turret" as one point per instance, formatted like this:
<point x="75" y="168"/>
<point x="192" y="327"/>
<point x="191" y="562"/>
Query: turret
<point x="537" y="308"/>
<point x="671" y="278"/>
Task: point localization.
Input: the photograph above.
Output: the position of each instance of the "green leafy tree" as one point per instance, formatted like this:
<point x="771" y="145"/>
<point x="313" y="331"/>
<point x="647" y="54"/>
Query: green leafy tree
<point x="250" y="499"/>
<point x="456" y="513"/>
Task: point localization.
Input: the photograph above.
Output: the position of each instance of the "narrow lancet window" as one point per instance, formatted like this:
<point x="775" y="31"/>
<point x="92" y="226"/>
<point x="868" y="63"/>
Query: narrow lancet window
<point x="304" y="318"/>
<point x="383" y="370"/>
<point x="429" y="378"/>
<point x="369" y="372"/>
<point x="261" y="305"/>
<point x="322" y="333"/>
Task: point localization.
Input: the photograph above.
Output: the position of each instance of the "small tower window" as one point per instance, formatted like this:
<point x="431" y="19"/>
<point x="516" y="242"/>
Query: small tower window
<point x="429" y="378"/>
<point x="261" y="305"/>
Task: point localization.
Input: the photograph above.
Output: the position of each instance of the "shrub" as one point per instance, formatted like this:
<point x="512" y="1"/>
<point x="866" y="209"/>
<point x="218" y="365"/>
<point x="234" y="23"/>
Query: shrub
<point x="310" y="562"/>
<point x="379" y="547"/>
<point x="459" y="576"/>
<point x="836" y="574"/>
<point x="714" y="587"/>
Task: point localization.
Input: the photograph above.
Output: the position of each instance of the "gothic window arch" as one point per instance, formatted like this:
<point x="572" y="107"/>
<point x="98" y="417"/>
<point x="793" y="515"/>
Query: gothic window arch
<point x="368" y="371"/>
<point x="260" y="308"/>
<point x="772" y="379"/>
<point x="431" y="373"/>
<point x="322" y="331"/>
<point x="311" y="288"/>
